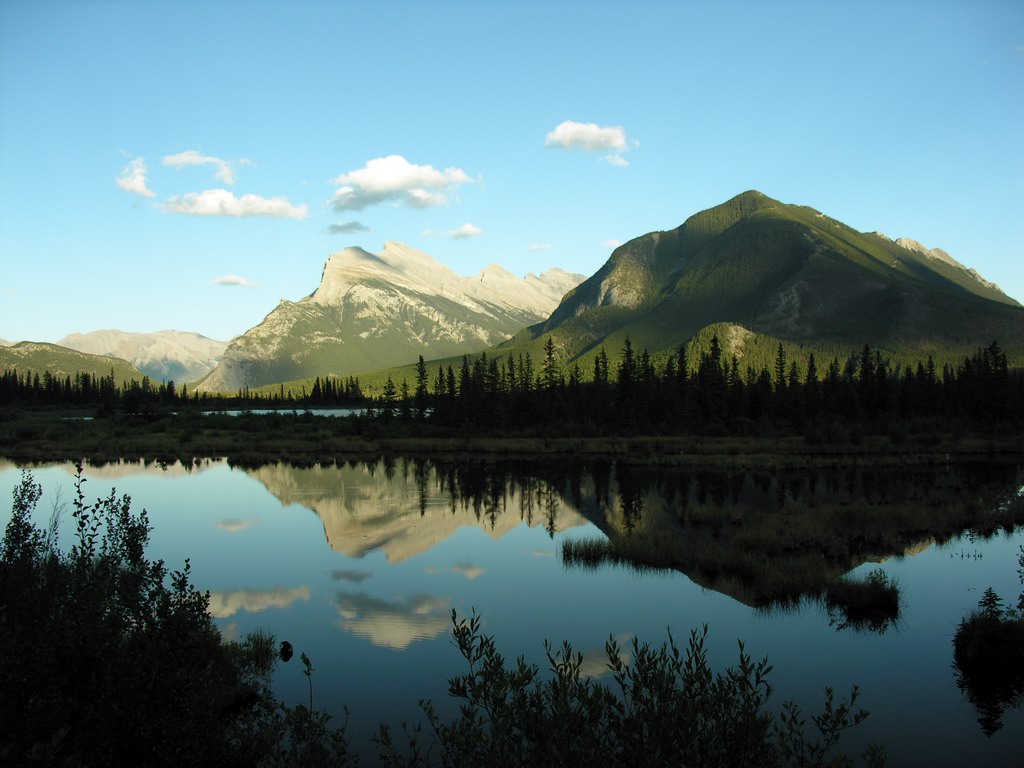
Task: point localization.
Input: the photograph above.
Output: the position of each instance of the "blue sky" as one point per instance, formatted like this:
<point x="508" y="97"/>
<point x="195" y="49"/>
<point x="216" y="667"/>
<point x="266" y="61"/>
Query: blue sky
<point x="187" y="165"/>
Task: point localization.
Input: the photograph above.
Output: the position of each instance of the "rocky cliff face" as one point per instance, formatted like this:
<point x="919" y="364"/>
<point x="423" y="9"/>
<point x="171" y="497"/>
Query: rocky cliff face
<point x="374" y="311"/>
<point x="939" y="255"/>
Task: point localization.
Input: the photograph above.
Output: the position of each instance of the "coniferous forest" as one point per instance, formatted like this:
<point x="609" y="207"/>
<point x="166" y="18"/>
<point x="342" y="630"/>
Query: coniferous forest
<point x="713" y="395"/>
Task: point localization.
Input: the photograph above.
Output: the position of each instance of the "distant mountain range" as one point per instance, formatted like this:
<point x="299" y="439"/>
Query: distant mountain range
<point x="163" y="356"/>
<point x="753" y="269"/>
<point x="374" y="311"/>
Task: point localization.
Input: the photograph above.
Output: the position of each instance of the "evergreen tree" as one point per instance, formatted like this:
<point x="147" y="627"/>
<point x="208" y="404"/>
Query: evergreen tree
<point x="625" y="397"/>
<point x="387" y="399"/>
<point x="525" y="373"/>
<point x="421" y="389"/>
<point x="711" y="385"/>
<point x="405" y="402"/>
<point x="812" y="390"/>
<point x="550" y="371"/>
<point x="780" y="369"/>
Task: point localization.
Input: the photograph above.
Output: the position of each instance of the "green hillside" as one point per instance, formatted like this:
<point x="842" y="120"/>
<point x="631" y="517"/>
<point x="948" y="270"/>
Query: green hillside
<point x="39" y="357"/>
<point x="764" y="272"/>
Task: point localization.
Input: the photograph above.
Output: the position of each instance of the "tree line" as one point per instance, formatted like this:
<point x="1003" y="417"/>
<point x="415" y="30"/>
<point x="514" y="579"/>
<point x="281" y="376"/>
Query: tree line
<point x="145" y="395"/>
<point x="713" y="394"/>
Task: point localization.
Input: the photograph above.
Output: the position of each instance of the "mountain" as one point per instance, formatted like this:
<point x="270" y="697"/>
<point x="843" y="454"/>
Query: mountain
<point x="163" y="356"/>
<point x="754" y="268"/>
<point x="39" y="357"/>
<point x="374" y="311"/>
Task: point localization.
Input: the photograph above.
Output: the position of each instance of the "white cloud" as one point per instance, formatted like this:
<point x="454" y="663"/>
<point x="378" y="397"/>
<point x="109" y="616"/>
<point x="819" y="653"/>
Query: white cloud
<point x="591" y="137"/>
<point x="467" y="230"/>
<point x="611" y="243"/>
<point x="540" y="247"/>
<point x="464" y="232"/>
<point x="221" y="202"/>
<point x="395" y="179"/>
<point x="234" y="280"/>
<point x="588" y="136"/>
<point x="422" y="198"/>
<point x="133" y="178"/>
<point x="189" y="157"/>
<point x="347" y="227"/>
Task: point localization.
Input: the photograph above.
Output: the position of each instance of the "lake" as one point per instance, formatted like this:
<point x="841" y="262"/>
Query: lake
<point x="359" y="566"/>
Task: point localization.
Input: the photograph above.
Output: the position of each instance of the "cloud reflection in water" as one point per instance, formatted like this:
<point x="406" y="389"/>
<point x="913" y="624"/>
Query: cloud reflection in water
<point x="469" y="570"/>
<point x="228" y="603"/>
<point x="393" y="625"/>
<point x="234" y="526"/>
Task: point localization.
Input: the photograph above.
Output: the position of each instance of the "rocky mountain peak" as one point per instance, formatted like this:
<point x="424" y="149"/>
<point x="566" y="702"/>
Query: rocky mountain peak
<point x="376" y="310"/>
<point x="931" y="253"/>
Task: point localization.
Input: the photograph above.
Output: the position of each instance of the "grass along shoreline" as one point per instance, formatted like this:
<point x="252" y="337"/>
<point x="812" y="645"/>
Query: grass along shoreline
<point x="58" y="435"/>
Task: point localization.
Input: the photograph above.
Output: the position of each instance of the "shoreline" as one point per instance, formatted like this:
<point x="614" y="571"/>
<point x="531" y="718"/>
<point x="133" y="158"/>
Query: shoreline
<point x="43" y="436"/>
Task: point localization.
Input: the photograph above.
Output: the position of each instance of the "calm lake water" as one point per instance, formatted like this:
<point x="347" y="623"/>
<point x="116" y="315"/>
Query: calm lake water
<point x="359" y="567"/>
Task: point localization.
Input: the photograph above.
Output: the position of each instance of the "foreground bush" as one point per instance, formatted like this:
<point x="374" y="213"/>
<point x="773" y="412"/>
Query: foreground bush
<point x="666" y="707"/>
<point x="107" y="658"/>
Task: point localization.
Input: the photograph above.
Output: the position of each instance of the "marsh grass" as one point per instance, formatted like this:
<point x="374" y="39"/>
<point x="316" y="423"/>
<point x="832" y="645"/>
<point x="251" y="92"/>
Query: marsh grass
<point x="988" y="659"/>
<point x="988" y="655"/>
<point x="871" y="603"/>
<point x="55" y="434"/>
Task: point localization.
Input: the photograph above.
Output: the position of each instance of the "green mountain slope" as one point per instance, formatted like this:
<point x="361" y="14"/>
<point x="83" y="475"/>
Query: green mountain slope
<point x="758" y="269"/>
<point x="38" y="357"/>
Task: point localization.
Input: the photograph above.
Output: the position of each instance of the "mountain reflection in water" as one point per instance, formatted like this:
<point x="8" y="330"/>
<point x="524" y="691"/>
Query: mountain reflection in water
<point x="359" y="566"/>
<point x="406" y="509"/>
<point x="765" y="538"/>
